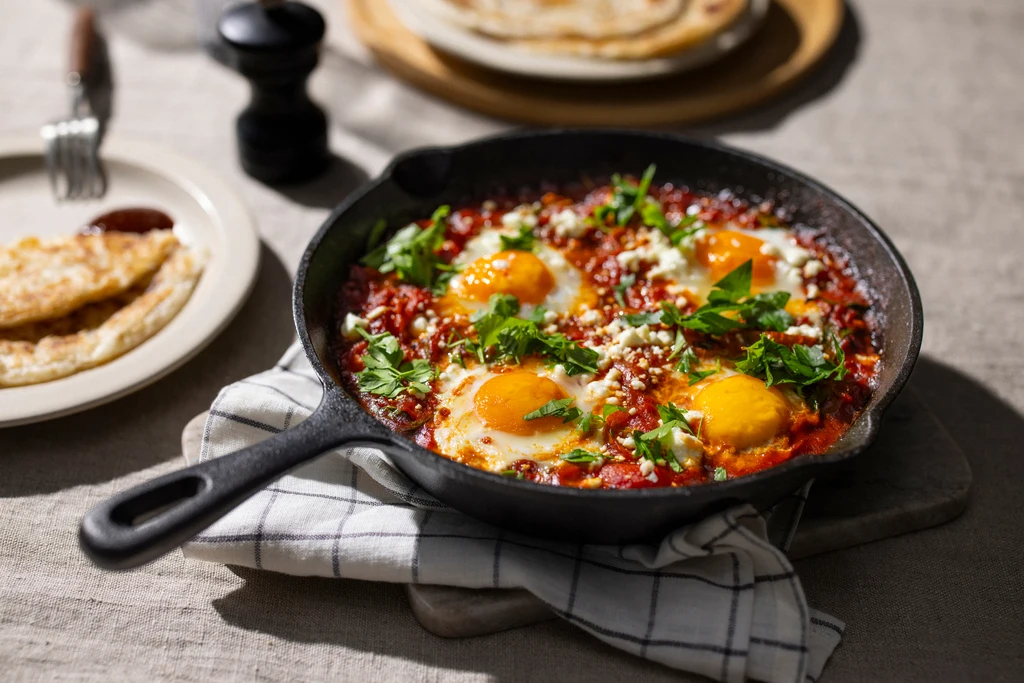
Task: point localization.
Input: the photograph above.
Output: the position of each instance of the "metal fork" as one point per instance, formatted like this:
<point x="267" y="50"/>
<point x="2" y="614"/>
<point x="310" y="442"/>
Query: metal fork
<point x="72" y="144"/>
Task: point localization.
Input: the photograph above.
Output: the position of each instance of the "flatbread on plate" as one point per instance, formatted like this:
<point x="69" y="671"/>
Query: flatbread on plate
<point x="45" y="279"/>
<point x="608" y="29"/>
<point x="99" y="332"/>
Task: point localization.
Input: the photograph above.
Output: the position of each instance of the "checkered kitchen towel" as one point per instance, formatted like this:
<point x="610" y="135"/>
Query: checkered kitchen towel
<point x="717" y="598"/>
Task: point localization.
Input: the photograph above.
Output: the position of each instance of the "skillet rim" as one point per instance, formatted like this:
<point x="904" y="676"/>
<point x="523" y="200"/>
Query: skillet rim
<point x="711" y="489"/>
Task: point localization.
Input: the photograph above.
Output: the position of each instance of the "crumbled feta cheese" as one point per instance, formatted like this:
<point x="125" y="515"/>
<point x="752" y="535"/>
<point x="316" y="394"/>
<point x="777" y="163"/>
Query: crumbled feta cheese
<point x="550" y="317"/>
<point x="558" y="373"/>
<point x="813" y="291"/>
<point x="419" y="325"/>
<point x="377" y="312"/>
<point x="769" y="249"/>
<point x="795" y="256"/>
<point x="591" y="317"/>
<point x="794" y="276"/>
<point x="813" y="267"/>
<point x="632" y="411"/>
<point x="685" y="446"/>
<point x="671" y="265"/>
<point x="351" y="322"/>
<point x="626" y="441"/>
<point x="804" y="331"/>
<point x="630" y="260"/>
<point x="637" y="385"/>
<point x="692" y="415"/>
<point x="693" y="209"/>
<point x="613" y="375"/>
<point x="662" y="338"/>
<point x="519" y="217"/>
<point x="551" y="329"/>
<point x="568" y="224"/>
<point x="599" y="389"/>
<point x="646" y="467"/>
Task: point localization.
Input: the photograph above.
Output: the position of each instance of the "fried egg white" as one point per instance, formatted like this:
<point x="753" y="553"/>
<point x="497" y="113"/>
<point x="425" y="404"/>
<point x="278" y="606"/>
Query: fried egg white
<point x="480" y="414"/>
<point x="542" y="277"/>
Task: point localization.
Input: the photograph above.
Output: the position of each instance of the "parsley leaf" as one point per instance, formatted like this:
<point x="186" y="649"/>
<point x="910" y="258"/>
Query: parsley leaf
<point x="559" y="407"/>
<point x="410" y="253"/>
<point x="386" y="373"/>
<point x="731" y="294"/>
<point x="626" y="198"/>
<point x="646" y="318"/>
<point x="537" y="316"/>
<point x="498" y="330"/>
<point x="610" y="408"/>
<point x="580" y="455"/>
<point x="801" y="365"/>
<point x="720" y="474"/>
<point x="524" y="241"/>
<point x="688" y="226"/>
<point x="625" y="283"/>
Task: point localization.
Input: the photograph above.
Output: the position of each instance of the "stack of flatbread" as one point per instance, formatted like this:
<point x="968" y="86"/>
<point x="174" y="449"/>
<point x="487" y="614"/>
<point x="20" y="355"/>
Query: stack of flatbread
<point x="71" y="303"/>
<point x="608" y="29"/>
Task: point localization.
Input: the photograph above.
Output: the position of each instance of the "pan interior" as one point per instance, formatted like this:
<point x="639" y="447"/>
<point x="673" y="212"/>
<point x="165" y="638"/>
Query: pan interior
<point x="416" y="183"/>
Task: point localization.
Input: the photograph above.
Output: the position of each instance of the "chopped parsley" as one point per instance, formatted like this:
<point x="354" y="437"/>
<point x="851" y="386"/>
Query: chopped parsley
<point x="626" y="199"/>
<point x="720" y="474"/>
<point x="410" y="253"/>
<point x="580" y="455"/>
<point x="800" y="365"/>
<point x="501" y="336"/>
<point x="625" y="283"/>
<point x="524" y="241"/>
<point x="688" y="364"/>
<point x="512" y="473"/>
<point x="563" y="408"/>
<point x="559" y="407"/>
<point x="387" y="373"/>
<point x="731" y="294"/>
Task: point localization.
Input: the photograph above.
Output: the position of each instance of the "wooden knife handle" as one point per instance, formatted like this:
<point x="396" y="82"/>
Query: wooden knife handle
<point x="83" y="41"/>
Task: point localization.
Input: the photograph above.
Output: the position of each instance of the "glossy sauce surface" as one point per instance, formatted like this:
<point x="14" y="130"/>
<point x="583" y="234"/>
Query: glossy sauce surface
<point x="132" y="219"/>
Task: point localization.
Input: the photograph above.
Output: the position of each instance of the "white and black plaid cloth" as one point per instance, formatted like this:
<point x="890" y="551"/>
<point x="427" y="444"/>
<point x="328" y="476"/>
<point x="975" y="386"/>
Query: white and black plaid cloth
<point x="716" y="598"/>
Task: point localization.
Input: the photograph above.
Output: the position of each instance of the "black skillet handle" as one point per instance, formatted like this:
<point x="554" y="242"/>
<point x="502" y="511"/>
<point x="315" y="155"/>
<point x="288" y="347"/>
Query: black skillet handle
<point x="141" y="524"/>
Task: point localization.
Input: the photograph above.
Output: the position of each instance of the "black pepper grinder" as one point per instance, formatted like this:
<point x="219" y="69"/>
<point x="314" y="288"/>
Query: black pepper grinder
<point x="282" y="134"/>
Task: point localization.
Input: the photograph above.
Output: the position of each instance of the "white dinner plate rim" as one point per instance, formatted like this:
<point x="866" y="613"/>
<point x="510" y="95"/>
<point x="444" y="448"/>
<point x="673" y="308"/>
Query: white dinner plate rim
<point x="194" y="327"/>
<point x="491" y="53"/>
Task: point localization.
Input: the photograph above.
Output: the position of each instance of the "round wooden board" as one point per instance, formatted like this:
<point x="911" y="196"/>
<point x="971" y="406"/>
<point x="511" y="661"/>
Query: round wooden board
<point x="795" y="35"/>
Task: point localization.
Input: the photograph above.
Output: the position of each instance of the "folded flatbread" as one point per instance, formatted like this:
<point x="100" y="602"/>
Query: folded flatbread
<point x="101" y="331"/>
<point x="46" y="279"/>
<point x="612" y="29"/>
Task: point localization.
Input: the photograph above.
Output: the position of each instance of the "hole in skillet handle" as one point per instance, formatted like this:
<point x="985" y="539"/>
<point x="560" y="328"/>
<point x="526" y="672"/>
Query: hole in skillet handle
<point x="424" y="173"/>
<point x="150" y="520"/>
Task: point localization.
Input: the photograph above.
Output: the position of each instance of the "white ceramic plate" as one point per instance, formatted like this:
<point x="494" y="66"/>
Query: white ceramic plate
<point x="207" y="213"/>
<point x="480" y="49"/>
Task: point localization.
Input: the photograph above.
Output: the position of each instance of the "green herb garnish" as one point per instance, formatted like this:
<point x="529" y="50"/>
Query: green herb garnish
<point x="721" y="474"/>
<point x="580" y="455"/>
<point x="501" y="335"/>
<point x="524" y="241"/>
<point x="626" y="198"/>
<point x="559" y="407"/>
<point x="386" y="372"/>
<point x="410" y="253"/>
<point x="625" y="283"/>
<point x="800" y="365"/>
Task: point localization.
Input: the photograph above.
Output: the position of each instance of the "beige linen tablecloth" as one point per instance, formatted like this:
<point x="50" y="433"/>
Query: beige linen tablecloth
<point x="916" y="117"/>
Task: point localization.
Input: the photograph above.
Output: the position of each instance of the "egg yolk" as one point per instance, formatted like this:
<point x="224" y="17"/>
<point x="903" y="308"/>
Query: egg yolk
<point x="740" y="411"/>
<point x="502" y="401"/>
<point x="519" y="273"/>
<point x="726" y="250"/>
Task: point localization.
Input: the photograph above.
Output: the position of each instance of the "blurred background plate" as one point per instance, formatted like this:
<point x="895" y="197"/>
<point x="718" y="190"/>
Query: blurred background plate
<point x="207" y="214"/>
<point x="795" y="35"/>
<point x="495" y="54"/>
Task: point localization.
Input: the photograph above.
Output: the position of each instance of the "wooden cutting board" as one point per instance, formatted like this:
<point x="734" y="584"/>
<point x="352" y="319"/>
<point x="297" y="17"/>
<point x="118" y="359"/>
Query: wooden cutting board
<point x="914" y="477"/>
<point x="796" y="34"/>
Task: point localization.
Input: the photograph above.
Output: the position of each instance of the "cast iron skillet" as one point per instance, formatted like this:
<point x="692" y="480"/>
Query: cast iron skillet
<point x="143" y="523"/>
